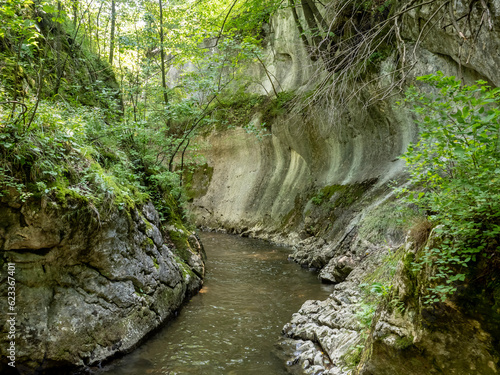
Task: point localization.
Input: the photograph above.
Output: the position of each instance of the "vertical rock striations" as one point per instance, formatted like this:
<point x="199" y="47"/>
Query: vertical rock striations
<point x="318" y="180"/>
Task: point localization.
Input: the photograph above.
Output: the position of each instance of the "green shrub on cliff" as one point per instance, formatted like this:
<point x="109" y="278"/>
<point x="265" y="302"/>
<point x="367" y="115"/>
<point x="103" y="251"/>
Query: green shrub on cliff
<point x="455" y="168"/>
<point x="61" y="152"/>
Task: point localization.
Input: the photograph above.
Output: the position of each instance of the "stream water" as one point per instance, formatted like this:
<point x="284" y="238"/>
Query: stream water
<point x="230" y="328"/>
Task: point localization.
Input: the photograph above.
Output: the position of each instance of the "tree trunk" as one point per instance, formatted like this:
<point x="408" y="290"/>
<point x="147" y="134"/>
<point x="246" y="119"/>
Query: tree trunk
<point x="97" y="31"/>
<point x="58" y="48"/>
<point x="112" y="37"/>
<point x="298" y="24"/>
<point x="311" y="22"/>
<point x="89" y="29"/>
<point x="162" y="56"/>
<point x="315" y="11"/>
<point x="75" y="13"/>
<point x="318" y="28"/>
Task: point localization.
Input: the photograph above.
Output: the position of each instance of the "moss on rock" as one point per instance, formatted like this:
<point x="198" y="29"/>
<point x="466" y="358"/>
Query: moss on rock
<point x="335" y="196"/>
<point x="197" y="180"/>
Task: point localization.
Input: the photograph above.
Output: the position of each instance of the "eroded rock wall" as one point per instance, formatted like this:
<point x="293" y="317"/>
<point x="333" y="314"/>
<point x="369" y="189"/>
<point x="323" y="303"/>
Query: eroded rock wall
<point x="267" y="187"/>
<point x="256" y="183"/>
<point x="318" y="181"/>
<point x="88" y="285"/>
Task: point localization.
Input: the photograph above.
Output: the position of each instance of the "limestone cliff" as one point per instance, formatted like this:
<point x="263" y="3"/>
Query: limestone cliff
<point x="318" y="180"/>
<point x="315" y="169"/>
<point x="89" y="284"/>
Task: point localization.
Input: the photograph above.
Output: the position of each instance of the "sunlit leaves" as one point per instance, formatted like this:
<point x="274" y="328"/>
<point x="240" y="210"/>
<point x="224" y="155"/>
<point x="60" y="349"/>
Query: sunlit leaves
<point x="456" y="168"/>
<point x="15" y="22"/>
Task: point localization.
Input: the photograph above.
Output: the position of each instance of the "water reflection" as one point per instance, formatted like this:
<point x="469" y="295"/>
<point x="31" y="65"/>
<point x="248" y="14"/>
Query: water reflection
<point x="250" y="292"/>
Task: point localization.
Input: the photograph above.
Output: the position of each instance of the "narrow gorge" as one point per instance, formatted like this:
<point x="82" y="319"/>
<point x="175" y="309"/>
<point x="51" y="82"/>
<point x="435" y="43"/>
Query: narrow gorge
<point x="322" y="180"/>
<point x="300" y="143"/>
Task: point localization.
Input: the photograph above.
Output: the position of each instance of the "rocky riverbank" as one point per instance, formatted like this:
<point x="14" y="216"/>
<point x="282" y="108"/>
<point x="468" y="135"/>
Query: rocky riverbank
<point x="89" y="284"/>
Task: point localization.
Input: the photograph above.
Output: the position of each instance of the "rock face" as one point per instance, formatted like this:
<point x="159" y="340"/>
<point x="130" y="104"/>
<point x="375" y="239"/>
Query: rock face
<point x="317" y="180"/>
<point x="327" y="337"/>
<point x="458" y="336"/>
<point x="322" y="332"/>
<point x="308" y="178"/>
<point x="87" y="287"/>
<point x="265" y="187"/>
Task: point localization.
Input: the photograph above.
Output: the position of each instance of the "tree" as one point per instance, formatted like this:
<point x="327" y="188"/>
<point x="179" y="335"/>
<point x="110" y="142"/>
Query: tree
<point x="112" y="36"/>
<point x="162" y="56"/>
<point x="74" y="7"/>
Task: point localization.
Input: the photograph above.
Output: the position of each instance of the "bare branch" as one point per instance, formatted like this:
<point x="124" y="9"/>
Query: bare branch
<point x="488" y="14"/>
<point x="224" y="24"/>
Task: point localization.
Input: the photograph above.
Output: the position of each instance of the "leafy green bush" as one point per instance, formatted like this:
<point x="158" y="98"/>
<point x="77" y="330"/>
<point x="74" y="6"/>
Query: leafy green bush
<point x="65" y="134"/>
<point x="65" y="149"/>
<point x="455" y="170"/>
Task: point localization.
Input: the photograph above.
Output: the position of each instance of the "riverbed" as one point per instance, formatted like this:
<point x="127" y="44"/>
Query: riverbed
<point x="230" y="328"/>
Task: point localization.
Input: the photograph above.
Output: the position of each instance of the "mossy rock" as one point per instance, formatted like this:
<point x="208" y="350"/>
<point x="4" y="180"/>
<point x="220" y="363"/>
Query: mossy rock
<point x="197" y="180"/>
<point x="341" y="196"/>
<point x="181" y="244"/>
<point x="147" y="243"/>
<point x="353" y="357"/>
<point x="404" y="342"/>
<point x="238" y="109"/>
<point x="155" y="262"/>
<point x="63" y="195"/>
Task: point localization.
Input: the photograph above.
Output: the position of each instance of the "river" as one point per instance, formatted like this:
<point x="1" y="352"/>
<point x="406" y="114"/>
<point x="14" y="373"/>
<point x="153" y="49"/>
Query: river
<point x="229" y="328"/>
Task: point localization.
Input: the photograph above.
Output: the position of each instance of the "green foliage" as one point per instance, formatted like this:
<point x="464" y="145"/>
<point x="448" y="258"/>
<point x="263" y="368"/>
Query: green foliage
<point x="377" y="286"/>
<point x="257" y="129"/>
<point x="318" y="199"/>
<point x="16" y="24"/>
<point x="325" y="194"/>
<point x="237" y="110"/>
<point x="56" y="156"/>
<point x="278" y="106"/>
<point x="69" y="131"/>
<point x="455" y="168"/>
<point x="234" y="110"/>
<point x="63" y="135"/>
<point x="248" y="19"/>
<point x="380" y="289"/>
